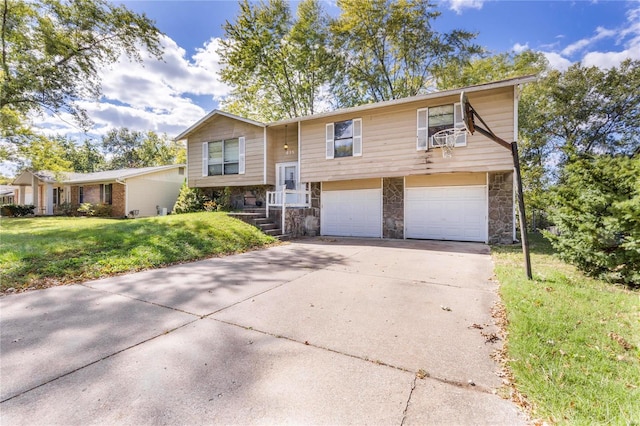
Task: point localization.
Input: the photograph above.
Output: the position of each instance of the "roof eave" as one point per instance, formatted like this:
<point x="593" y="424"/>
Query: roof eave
<point x="124" y="177"/>
<point x="441" y="94"/>
<point x="213" y="113"/>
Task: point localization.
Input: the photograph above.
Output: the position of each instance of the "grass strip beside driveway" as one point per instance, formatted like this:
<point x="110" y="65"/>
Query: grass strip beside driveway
<point x="40" y="252"/>
<point x="573" y="342"/>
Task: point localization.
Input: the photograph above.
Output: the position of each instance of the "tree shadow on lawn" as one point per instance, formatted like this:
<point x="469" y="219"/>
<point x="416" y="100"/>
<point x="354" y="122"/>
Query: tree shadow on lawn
<point x="78" y="254"/>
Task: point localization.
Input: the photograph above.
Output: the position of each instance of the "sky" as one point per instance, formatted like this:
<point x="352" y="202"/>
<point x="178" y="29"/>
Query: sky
<point x="169" y="96"/>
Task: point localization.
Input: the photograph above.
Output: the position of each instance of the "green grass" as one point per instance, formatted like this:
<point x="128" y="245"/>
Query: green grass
<point x="40" y="252"/>
<point x="566" y="340"/>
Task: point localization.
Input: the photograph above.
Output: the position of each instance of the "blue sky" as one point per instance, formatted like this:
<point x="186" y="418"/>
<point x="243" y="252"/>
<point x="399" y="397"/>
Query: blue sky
<point x="169" y="96"/>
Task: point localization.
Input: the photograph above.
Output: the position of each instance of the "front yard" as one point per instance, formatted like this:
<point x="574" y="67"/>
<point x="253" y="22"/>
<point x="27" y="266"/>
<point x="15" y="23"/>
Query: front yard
<point x="40" y="252"/>
<point x="573" y="342"/>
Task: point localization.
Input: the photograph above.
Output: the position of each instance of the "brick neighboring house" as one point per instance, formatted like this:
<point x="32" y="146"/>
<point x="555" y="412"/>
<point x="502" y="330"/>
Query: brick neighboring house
<point x="139" y="192"/>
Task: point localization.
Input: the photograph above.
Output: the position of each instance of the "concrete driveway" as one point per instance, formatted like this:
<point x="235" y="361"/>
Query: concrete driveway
<point x="318" y="331"/>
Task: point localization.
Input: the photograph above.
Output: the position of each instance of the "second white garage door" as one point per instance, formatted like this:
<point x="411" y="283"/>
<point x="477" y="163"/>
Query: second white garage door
<point x="457" y="213"/>
<point x="352" y="213"/>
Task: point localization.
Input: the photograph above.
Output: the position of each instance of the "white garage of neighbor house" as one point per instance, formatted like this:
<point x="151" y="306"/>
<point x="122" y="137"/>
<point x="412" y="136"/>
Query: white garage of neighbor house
<point x="140" y="192"/>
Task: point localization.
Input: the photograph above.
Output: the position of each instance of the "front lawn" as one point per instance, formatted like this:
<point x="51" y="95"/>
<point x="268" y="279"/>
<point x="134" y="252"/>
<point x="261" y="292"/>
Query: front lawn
<point x="573" y="342"/>
<point x="40" y="252"/>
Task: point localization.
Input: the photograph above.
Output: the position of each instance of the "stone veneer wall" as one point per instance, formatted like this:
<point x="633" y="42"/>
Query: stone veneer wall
<point x="501" y="208"/>
<point x="393" y="208"/>
<point x="301" y="222"/>
<point x="241" y="196"/>
<point x="315" y="194"/>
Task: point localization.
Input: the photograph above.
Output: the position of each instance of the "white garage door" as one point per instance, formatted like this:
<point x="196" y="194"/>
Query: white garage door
<point x="352" y="213"/>
<point x="456" y="213"/>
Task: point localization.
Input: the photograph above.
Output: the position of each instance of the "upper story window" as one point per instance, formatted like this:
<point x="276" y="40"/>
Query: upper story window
<point x="434" y="119"/>
<point x="344" y="138"/>
<point x="225" y="157"/>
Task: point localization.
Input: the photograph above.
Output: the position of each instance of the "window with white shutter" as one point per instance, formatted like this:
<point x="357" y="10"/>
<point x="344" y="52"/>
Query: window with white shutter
<point x="344" y="139"/>
<point x="357" y="137"/>
<point x="329" y="139"/>
<point x="423" y="129"/>
<point x="226" y="157"/>
<point x="435" y="119"/>
<point x="241" y="148"/>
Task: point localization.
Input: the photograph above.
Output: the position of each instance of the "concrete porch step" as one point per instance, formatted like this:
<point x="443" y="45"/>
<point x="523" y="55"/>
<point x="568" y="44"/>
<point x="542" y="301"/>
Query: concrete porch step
<point x="255" y="210"/>
<point x="261" y="220"/>
<point x="247" y="215"/>
<point x="268" y="226"/>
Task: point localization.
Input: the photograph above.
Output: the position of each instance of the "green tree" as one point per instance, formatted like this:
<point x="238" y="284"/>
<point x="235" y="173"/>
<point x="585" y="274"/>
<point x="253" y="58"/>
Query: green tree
<point x="44" y="153"/>
<point x="159" y="150"/>
<point x="86" y="157"/>
<point x="130" y="149"/>
<point x="485" y="69"/>
<point x="596" y="208"/>
<point x="275" y="64"/>
<point x="189" y="200"/>
<point x="53" y="51"/>
<point x="586" y="110"/>
<point x="388" y="49"/>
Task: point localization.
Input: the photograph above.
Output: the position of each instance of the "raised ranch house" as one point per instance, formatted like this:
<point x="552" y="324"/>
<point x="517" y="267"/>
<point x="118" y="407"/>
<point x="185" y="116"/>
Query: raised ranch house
<point x="147" y="191"/>
<point x="369" y="171"/>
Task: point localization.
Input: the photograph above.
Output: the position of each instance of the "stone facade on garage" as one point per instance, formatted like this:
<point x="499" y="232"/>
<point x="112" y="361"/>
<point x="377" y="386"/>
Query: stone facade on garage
<point x="393" y="208"/>
<point x="500" y="208"/>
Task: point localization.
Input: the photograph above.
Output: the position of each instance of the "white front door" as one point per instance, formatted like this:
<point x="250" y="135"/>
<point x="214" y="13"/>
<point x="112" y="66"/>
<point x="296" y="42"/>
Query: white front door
<point x="287" y="178"/>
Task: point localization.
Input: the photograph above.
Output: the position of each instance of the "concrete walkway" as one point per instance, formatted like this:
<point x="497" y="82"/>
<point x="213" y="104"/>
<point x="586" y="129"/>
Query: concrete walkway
<point x="318" y="331"/>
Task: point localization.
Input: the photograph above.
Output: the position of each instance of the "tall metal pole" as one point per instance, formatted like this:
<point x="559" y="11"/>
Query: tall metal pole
<point x="521" y="213"/>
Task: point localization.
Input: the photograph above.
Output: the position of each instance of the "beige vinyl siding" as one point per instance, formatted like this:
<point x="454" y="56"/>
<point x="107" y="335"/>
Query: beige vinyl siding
<point x="271" y="157"/>
<point x="222" y="128"/>
<point x="389" y="142"/>
<point x="374" y="183"/>
<point x="276" y="152"/>
<point x="146" y="192"/>
<point x="446" y="179"/>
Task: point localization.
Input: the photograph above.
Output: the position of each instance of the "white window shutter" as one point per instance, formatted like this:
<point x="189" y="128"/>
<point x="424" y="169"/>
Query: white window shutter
<point x="357" y="137"/>
<point x="205" y="159"/>
<point x="241" y="156"/>
<point x="458" y="124"/>
<point x="330" y="135"/>
<point x="423" y="129"/>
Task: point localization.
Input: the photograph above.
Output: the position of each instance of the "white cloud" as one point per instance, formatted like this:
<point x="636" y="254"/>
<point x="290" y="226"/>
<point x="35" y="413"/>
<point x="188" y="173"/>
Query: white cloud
<point x="607" y="60"/>
<point x="628" y="37"/>
<point x="520" y="47"/>
<point x="557" y="61"/>
<point x="601" y="33"/>
<point x="459" y="5"/>
<point x="151" y="95"/>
